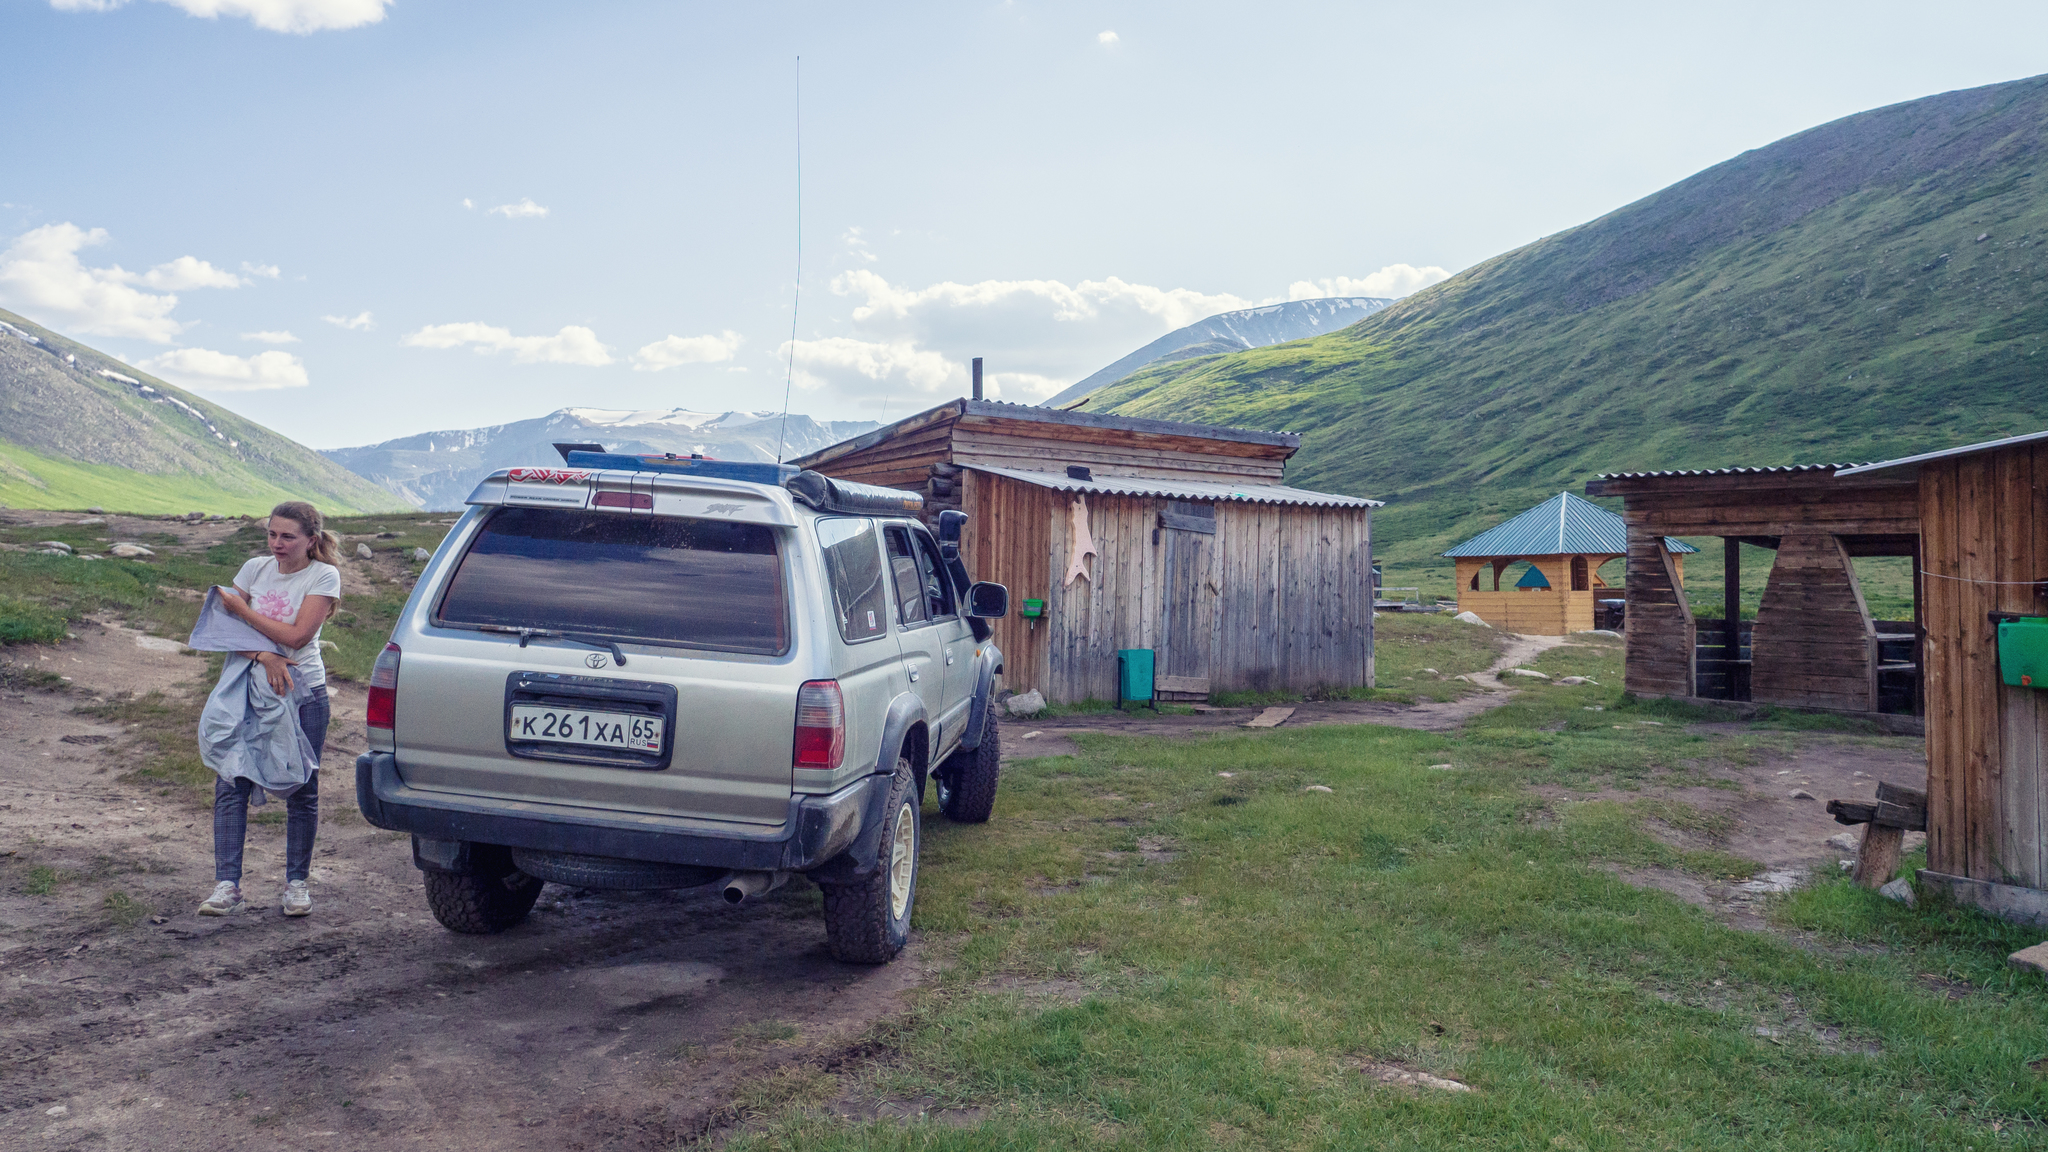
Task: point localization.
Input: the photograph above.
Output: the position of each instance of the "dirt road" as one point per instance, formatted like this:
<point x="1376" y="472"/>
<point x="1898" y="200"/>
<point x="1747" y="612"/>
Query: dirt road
<point x="609" y="1020"/>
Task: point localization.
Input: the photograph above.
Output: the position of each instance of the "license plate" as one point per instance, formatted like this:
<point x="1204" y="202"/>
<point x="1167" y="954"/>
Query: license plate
<point x="631" y="730"/>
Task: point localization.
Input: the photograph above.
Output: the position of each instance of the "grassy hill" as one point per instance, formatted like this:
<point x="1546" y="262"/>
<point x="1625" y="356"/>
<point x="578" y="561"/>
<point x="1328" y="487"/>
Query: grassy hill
<point x="80" y="429"/>
<point x="1867" y="288"/>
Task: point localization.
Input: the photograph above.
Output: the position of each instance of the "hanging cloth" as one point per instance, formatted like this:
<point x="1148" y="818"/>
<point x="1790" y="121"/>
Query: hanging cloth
<point x="1080" y="544"/>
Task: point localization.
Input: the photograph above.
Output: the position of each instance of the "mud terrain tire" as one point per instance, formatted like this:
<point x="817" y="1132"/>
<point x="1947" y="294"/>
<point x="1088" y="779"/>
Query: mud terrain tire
<point x="479" y="903"/>
<point x="967" y="780"/>
<point x="868" y="921"/>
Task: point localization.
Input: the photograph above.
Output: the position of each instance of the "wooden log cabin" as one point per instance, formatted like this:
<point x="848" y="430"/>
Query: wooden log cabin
<point x="1139" y="534"/>
<point x="1813" y="643"/>
<point x="1565" y="540"/>
<point x="1983" y="516"/>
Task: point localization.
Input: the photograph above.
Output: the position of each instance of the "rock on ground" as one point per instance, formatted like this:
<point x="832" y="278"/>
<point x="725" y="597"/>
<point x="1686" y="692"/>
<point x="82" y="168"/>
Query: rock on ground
<point x="1471" y="618"/>
<point x="1027" y="704"/>
<point x="1900" y="890"/>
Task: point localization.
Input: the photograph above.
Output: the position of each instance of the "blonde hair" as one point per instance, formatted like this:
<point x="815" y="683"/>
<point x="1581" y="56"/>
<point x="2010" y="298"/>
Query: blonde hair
<point x="326" y="545"/>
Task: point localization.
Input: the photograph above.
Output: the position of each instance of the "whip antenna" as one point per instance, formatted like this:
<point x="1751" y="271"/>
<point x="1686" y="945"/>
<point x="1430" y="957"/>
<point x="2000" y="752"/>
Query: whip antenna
<point x="796" y="297"/>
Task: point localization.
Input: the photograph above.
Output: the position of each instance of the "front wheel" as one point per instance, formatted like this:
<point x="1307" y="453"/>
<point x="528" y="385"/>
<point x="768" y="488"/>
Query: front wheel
<point x="489" y="900"/>
<point x="868" y="921"/>
<point x="967" y="780"/>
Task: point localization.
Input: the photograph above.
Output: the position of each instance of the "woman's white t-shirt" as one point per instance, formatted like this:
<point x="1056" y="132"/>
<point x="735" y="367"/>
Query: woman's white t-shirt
<point x="277" y="596"/>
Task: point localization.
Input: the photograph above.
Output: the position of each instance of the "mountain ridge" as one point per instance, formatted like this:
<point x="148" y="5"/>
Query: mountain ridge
<point x="79" y="428"/>
<point x="1864" y="288"/>
<point x="1230" y="332"/>
<point x="438" y="470"/>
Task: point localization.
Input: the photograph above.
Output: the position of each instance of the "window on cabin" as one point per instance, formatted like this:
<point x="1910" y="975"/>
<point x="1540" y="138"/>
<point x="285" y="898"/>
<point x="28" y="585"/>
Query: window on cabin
<point x="1581" y="580"/>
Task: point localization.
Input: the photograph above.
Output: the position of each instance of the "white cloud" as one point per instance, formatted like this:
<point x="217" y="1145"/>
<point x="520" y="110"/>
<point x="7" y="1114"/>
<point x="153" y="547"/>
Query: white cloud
<point x="267" y="271"/>
<point x="208" y="371"/>
<point x="185" y="272"/>
<point x="1089" y="301"/>
<point x="1395" y="280"/>
<point x="1105" y="37"/>
<point x="42" y="277"/>
<point x="574" y="344"/>
<point x="271" y="337"/>
<point x="857" y="244"/>
<point x="468" y="203"/>
<point x="677" y="350"/>
<point x="856" y="365"/>
<point x="296" y="16"/>
<point x="358" y="322"/>
<point x="523" y="209"/>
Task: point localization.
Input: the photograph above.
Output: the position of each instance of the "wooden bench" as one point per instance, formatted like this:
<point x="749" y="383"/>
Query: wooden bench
<point x="1886" y="820"/>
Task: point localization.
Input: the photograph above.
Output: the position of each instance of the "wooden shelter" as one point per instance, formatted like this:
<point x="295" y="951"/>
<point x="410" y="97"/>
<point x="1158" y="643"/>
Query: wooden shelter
<point x="1813" y="643"/>
<point x="1983" y="513"/>
<point x="1565" y="541"/>
<point x="1134" y="533"/>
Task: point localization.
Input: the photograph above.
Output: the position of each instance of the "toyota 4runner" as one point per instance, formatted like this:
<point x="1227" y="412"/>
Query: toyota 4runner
<point x="652" y="672"/>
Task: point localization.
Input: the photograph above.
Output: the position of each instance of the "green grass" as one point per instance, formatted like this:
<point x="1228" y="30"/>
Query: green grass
<point x="1138" y="953"/>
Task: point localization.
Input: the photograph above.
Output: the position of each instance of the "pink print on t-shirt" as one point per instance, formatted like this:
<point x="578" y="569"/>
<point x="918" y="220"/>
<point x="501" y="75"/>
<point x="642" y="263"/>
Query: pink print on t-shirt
<point x="274" y="604"/>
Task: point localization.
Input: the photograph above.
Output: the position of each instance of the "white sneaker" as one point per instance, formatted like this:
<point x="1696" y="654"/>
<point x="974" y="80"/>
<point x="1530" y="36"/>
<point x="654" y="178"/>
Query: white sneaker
<point x="225" y="901"/>
<point x="298" y="899"/>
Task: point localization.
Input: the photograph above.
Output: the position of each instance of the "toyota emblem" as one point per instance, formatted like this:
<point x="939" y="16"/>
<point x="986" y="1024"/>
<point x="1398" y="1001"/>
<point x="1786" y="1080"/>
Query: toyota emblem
<point x="597" y="660"/>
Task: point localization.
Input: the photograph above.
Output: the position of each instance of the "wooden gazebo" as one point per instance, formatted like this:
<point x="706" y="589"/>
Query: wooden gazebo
<point x="1565" y="541"/>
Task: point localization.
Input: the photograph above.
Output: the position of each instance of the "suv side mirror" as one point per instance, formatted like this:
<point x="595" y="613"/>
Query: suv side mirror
<point x="987" y="600"/>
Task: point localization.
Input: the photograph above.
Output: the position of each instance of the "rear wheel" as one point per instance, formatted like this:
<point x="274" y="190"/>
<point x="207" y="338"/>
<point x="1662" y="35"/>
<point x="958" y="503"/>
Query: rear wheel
<point x="868" y="921"/>
<point x="491" y="899"/>
<point x="967" y="780"/>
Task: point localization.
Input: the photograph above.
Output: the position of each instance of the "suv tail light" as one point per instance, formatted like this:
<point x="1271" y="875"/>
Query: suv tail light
<point x="820" y="724"/>
<point x="383" y="708"/>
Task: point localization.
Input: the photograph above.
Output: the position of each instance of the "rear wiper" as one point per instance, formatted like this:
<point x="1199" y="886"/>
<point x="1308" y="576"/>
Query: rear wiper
<point x="526" y="634"/>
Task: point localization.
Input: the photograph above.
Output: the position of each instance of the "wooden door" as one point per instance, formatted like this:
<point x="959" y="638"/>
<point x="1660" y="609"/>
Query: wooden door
<point x="1188" y="592"/>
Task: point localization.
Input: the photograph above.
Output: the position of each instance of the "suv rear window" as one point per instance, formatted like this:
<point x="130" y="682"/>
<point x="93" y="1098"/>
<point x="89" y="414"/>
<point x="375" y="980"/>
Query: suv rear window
<point x="652" y="579"/>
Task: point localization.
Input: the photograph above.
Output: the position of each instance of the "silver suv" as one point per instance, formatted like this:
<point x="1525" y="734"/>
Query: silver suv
<point x="652" y="672"/>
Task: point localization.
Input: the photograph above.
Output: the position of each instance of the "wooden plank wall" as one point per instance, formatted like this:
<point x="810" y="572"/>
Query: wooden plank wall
<point x="1813" y="645"/>
<point x="1984" y="535"/>
<point x="1045" y="448"/>
<point x="1659" y="640"/>
<point x="1293" y="600"/>
<point x="1009" y="540"/>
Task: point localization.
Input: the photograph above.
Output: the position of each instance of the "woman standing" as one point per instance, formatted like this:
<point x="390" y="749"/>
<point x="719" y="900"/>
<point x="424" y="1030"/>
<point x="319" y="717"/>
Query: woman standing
<point x="286" y="596"/>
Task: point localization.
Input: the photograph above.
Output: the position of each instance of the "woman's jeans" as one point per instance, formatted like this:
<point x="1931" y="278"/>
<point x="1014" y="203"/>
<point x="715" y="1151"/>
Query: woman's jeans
<point x="301" y="809"/>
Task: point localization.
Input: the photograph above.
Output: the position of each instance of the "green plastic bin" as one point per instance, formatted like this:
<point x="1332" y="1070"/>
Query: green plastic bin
<point x="2023" y="652"/>
<point x="1134" y="676"/>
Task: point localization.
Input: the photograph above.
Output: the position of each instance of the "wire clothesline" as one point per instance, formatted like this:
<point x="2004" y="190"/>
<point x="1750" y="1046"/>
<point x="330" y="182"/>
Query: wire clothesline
<point x="1970" y="580"/>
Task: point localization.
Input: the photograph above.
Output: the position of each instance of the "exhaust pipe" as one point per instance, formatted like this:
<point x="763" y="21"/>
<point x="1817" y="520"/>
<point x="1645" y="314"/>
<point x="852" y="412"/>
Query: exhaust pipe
<point x="737" y="886"/>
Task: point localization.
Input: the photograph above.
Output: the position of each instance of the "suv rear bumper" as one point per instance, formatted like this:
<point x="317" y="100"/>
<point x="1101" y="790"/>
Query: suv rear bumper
<point x="816" y="829"/>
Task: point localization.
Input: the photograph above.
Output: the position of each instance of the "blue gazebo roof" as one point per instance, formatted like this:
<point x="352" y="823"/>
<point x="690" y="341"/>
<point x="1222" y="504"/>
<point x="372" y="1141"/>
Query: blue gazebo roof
<point x="1563" y="524"/>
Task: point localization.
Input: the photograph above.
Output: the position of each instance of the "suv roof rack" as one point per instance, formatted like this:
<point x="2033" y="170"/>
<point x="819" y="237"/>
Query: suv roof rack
<point x="816" y="489"/>
<point x="748" y="470"/>
<point x="825" y="494"/>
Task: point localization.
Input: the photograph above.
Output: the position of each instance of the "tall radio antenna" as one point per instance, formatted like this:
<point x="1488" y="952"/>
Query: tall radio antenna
<point x="797" y="296"/>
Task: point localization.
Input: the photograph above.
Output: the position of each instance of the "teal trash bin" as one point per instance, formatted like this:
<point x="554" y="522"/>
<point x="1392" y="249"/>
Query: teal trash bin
<point x="1134" y="676"/>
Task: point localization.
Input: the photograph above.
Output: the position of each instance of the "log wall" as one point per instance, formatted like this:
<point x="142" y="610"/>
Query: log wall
<point x="1814" y="645"/>
<point x="1984" y="536"/>
<point x="1658" y="640"/>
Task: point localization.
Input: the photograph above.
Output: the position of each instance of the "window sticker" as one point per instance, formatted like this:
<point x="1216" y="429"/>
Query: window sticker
<point x="548" y="475"/>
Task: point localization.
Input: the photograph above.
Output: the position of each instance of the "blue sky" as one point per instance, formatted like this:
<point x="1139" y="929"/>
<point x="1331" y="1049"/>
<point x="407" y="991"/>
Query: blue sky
<point x="353" y="220"/>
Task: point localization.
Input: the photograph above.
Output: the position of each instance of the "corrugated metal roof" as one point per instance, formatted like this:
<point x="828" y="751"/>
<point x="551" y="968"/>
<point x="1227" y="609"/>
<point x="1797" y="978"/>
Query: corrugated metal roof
<point x="1729" y="471"/>
<point x="1945" y="453"/>
<point x="1562" y="524"/>
<point x="1182" y="489"/>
